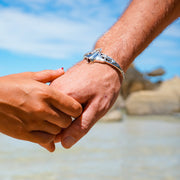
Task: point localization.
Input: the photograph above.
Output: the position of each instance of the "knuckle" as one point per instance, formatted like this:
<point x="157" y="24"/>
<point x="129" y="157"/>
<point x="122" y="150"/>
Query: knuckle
<point x="61" y="119"/>
<point x="43" y="93"/>
<point x="67" y="122"/>
<point x="38" y="104"/>
<point x="39" y="109"/>
<point x="83" y="129"/>
<point x="57" y="130"/>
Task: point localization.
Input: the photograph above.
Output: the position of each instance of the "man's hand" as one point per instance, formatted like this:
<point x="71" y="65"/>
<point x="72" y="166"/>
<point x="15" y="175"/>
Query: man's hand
<point x="31" y="110"/>
<point x="96" y="86"/>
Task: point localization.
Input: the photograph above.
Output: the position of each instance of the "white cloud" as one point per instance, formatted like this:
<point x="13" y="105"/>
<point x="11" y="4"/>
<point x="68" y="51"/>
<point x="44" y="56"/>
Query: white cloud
<point x="46" y="34"/>
<point x="61" y="28"/>
<point x="55" y="29"/>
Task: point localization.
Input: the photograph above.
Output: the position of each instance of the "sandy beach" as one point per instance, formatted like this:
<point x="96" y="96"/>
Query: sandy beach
<point x="135" y="149"/>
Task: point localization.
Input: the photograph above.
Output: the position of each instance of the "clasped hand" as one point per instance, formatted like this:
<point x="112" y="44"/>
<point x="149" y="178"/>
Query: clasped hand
<point x="34" y="111"/>
<point x="31" y="110"/>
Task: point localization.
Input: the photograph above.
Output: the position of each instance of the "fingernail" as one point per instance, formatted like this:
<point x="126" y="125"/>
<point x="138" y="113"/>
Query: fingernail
<point x="69" y="141"/>
<point x="61" y="69"/>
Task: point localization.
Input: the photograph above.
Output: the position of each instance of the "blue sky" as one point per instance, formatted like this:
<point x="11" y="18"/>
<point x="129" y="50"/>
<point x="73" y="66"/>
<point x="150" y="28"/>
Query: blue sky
<point x="46" y="34"/>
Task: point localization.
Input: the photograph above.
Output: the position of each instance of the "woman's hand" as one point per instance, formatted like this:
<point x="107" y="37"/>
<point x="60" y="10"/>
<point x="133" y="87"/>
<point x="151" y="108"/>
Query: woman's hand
<point x="33" y="111"/>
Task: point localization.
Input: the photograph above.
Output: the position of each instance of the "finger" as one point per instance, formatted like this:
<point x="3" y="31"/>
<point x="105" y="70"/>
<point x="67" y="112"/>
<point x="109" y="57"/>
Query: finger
<point x="58" y="137"/>
<point x="47" y="127"/>
<point x="58" y="118"/>
<point x="40" y="137"/>
<point x="51" y="120"/>
<point x="47" y="75"/>
<point x="65" y="103"/>
<point x="50" y="147"/>
<point x="79" y="127"/>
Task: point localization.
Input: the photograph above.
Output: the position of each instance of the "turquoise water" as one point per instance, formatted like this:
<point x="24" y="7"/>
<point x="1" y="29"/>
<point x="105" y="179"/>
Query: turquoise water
<point x="131" y="150"/>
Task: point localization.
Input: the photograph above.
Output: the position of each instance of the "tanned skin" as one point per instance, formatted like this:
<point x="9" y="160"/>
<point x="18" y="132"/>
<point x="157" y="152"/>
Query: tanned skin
<point x="96" y="86"/>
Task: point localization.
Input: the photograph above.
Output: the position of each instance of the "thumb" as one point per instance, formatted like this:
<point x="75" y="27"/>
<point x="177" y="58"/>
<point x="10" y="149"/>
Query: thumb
<point x="79" y="127"/>
<point x="47" y="75"/>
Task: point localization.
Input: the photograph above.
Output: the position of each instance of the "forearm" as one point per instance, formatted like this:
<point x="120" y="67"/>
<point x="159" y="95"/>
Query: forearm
<point x="95" y="85"/>
<point x="139" y="25"/>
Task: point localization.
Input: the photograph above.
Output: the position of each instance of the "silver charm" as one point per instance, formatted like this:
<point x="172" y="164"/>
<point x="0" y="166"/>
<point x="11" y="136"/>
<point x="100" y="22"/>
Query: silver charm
<point x="98" y="56"/>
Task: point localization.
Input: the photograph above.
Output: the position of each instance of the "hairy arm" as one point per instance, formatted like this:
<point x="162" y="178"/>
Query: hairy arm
<point x="139" y="25"/>
<point x="96" y="86"/>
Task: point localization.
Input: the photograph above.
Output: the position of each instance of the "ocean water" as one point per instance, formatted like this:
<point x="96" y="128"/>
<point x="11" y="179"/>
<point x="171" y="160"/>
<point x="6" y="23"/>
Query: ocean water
<point x="135" y="149"/>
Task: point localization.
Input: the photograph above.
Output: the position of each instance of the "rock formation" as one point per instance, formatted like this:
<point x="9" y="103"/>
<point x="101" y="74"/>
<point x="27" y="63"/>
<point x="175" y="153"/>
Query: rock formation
<point x="139" y="96"/>
<point x="164" y="100"/>
<point x="135" y="81"/>
<point x="156" y="72"/>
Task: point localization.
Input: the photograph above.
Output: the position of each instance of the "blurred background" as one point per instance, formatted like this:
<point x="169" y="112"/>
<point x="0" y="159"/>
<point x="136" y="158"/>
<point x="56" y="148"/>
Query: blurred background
<point x="140" y="136"/>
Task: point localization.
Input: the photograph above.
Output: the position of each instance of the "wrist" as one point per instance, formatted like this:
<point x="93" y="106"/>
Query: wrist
<point x="97" y="56"/>
<point x="102" y="70"/>
<point x="119" y="53"/>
